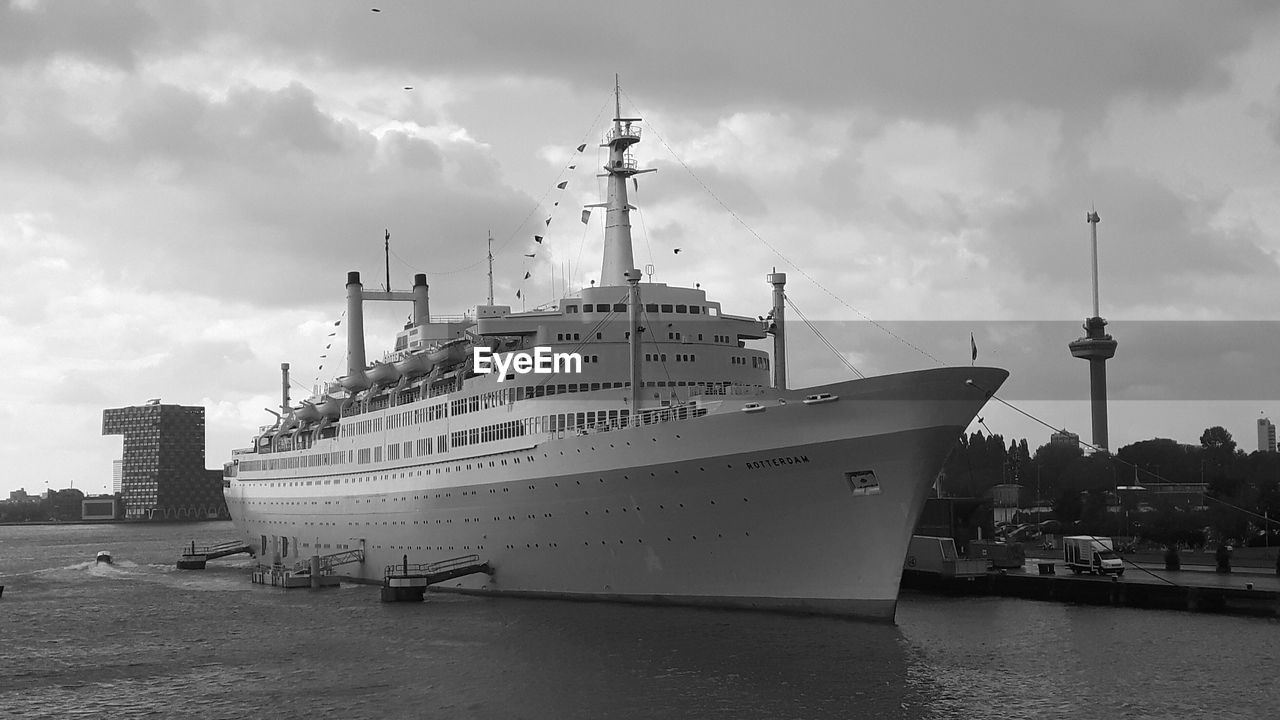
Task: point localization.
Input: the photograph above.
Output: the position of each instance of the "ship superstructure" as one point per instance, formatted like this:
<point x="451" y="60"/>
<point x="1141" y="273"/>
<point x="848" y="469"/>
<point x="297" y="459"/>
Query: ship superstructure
<point x="673" y="466"/>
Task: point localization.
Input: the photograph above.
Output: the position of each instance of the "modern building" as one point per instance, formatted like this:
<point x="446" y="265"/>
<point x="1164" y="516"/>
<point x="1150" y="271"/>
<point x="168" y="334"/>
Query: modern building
<point x="117" y="476"/>
<point x="162" y="475"/>
<point x="1266" y="435"/>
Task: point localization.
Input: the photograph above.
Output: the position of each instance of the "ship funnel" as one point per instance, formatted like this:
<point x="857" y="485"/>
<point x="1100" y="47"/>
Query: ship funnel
<point x="421" y="303"/>
<point x="355" y="379"/>
<point x="284" y="388"/>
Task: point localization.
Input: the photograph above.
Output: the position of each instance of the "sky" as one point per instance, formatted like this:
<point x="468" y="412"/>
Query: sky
<point x="184" y="186"/>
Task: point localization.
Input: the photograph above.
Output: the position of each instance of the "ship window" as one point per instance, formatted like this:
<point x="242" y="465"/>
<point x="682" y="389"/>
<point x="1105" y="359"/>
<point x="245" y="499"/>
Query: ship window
<point x="666" y="308"/>
<point x="651" y="307"/>
<point x="620" y="307"/>
<point x="694" y="309"/>
<point x="682" y="308"/>
<point x="602" y="307"/>
<point x="571" y="308"/>
<point x="599" y="336"/>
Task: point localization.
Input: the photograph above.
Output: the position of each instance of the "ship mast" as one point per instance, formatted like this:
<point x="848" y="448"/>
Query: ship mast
<point x="491" y="267"/>
<point x="617" y="224"/>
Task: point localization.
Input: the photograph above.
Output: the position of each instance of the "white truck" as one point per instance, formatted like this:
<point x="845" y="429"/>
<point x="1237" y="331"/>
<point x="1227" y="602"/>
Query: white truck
<point x="1087" y="553"/>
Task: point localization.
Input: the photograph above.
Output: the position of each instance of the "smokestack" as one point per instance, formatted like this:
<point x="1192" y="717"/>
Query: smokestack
<point x="284" y="389"/>
<point x="421" y="303"/>
<point x="355" y="379"/>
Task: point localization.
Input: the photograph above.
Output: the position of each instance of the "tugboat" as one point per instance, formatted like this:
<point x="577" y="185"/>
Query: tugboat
<point x="104" y="556"/>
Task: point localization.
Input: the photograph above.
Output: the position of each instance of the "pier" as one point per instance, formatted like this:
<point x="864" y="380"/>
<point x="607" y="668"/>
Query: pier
<point x="194" y="558"/>
<point x="408" y="582"/>
<point x="1143" y="585"/>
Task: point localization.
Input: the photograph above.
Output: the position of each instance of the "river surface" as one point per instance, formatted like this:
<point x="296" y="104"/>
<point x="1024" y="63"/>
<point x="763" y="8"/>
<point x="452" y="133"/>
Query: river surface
<point x="142" y="639"/>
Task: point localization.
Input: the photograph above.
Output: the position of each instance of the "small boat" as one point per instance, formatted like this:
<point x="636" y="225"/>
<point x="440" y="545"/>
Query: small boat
<point x="104" y="556"/>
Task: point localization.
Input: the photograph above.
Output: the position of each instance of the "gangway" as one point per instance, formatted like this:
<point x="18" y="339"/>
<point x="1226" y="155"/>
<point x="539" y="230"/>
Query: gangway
<point x="408" y="581"/>
<point x="194" y="557"/>
<point x="329" y="562"/>
<point x="315" y="572"/>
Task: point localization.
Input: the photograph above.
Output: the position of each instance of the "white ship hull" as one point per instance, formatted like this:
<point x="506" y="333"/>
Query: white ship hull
<point x="795" y="506"/>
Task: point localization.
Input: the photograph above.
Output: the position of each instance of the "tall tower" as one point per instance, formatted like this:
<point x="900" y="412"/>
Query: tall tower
<point x="1097" y="347"/>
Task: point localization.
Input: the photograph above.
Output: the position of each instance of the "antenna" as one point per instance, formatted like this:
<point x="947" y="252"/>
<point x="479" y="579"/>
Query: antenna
<point x="490" y="267"/>
<point x="1093" y="220"/>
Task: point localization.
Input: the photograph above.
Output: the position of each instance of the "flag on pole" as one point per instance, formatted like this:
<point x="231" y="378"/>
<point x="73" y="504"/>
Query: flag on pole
<point x="388" y="235"/>
<point x="517" y="293"/>
<point x="973" y="350"/>
<point x="586" y="216"/>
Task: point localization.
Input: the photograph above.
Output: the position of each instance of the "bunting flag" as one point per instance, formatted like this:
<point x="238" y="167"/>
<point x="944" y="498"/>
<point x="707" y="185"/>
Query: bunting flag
<point x="555" y="204"/>
<point x="517" y="293"/>
<point x="529" y="255"/>
<point x="537" y="239"/>
<point x="582" y="147"/>
<point x="586" y="216"/>
<point x="526" y="275"/>
<point x="563" y="185"/>
<point x="338" y="322"/>
<point x="973" y="350"/>
<point x="573" y="167"/>
<point x="548" y="222"/>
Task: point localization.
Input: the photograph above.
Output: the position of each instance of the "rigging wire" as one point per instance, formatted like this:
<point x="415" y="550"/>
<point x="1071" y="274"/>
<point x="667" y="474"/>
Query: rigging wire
<point x="779" y="253"/>
<point x="524" y="221"/>
<point x="823" y="338"/>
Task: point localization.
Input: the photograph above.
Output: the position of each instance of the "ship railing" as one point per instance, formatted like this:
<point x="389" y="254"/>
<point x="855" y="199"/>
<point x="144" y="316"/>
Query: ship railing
<point x="729" y="390"/>
<point x="651" y="416"/>
<point x="623" y="131"/>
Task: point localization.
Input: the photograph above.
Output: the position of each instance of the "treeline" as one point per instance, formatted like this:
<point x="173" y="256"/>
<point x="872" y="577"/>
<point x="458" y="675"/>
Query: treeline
<point x="60" y="505"/>
<point x="1242" y="489"/>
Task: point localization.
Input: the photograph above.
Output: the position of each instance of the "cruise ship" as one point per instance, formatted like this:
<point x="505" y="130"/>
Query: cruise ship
<point x="623" y="444"/>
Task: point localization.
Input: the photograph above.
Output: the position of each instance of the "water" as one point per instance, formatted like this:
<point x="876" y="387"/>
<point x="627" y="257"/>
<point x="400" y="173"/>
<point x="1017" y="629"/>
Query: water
<point x="142" y="639"/>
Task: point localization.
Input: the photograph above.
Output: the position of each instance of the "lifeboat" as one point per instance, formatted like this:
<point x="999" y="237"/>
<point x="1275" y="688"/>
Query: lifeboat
<point x="307" y="412"/>
<point x="355" y="382"/>
<point x="411" y="366"/>
<point x="331" y="407"/>
<point x="450" y="353"/>
<point x="383" y="373"/>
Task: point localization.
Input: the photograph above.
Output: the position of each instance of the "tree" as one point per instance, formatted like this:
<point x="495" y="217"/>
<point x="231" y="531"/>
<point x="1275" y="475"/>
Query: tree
<point x="1068" y="508"/>
<point x="1218" y="445"/>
